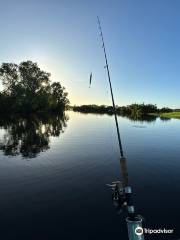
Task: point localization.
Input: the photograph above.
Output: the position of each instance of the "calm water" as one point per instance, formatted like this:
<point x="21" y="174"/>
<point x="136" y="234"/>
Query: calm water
<point x="54" y="171"/>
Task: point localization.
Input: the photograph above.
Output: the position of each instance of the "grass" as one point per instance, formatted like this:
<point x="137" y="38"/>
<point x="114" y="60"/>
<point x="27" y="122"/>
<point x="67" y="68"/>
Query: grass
<point x="170" y="115"/>
<point x="166" y="115"/>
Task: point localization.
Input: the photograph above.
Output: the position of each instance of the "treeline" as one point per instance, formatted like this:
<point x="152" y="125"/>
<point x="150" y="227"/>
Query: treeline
<point x="130" y="110"/>
<point x="27" y="89"/>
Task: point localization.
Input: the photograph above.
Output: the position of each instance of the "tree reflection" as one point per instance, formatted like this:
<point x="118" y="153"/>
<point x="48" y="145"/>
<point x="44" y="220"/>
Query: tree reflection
<point x="165" y="119"/>
<point x="141" y="119"/>
<point x="28" y="136"/>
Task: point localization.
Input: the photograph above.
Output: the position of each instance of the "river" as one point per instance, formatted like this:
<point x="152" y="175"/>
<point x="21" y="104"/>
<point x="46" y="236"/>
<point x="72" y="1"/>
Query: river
<point x="54" y="174"/>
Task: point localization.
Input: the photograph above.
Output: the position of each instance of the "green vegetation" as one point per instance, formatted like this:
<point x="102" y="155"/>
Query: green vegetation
<point x="28" y="89"/>
<point x="170" y="115"/>
<point x="93" y="109"/>
<point x="135" y="110"/>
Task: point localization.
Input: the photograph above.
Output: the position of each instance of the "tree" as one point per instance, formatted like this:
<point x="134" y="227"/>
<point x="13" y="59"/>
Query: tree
<point x="59" y="96"/>
<point x="29" y="89"/>
<point x="10" y="76"/>
<point x="32" y="77"/>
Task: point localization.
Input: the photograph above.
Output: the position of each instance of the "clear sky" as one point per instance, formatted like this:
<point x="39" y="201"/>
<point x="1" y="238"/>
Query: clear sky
<point x="142" y="39"/>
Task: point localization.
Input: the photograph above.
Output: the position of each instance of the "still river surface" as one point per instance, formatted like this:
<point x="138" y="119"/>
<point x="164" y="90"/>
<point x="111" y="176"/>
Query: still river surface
<point x="54" y="171"/>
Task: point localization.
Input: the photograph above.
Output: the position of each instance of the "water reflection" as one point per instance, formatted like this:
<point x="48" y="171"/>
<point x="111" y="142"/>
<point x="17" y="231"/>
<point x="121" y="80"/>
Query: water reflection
<point x="165" y="119"/>
<point x="28" y="136"/>
<point x="132" y="117"/>
<point x="141" y="119"/>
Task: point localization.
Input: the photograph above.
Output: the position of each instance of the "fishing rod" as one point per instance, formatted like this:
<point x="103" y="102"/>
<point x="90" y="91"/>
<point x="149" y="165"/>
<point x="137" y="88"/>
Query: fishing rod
<point x="123" y="192"/>
<point x="110" y="85"/>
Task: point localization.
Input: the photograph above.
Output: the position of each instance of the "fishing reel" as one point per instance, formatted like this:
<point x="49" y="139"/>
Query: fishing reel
<point x="122" y="200"/>
<point x="118" y="195"/>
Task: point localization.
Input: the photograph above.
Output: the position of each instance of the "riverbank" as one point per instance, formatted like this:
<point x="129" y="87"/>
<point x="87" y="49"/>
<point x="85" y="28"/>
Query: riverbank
<point x="134" y="109"/>
<point x="167" y="115"/>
